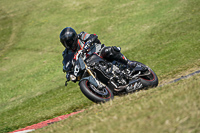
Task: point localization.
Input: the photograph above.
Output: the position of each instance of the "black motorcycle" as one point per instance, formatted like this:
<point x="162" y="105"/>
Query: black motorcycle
<point x="100" y="80"/>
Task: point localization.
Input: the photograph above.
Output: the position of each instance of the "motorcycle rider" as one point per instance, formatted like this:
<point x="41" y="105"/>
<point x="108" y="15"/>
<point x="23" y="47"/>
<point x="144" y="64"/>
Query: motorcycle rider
<point x="75" y="43"/>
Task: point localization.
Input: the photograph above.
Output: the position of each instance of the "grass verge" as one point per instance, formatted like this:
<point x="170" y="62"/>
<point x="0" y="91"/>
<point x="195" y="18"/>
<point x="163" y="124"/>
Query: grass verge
<point x="172" y="108"/>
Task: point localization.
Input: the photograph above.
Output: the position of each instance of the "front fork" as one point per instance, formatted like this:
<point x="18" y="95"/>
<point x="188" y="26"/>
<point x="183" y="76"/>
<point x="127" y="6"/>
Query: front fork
<point x="97" y="84"/>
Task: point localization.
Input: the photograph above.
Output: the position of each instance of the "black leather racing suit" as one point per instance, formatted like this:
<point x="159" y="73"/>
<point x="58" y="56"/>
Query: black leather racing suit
<point x="108" y="53"/>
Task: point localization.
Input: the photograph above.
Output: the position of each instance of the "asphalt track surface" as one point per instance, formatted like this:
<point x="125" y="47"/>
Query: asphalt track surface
<point x="59" y="118"/>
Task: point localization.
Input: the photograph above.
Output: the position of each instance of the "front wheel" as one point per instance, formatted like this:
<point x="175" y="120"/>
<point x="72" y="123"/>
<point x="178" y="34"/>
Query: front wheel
<point x="103" y="94"/>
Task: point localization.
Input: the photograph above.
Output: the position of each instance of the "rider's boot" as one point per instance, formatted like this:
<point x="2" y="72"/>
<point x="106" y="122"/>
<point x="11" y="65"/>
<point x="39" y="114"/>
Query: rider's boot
<point x="113" y="53"/>
<point x="132" y="64"/>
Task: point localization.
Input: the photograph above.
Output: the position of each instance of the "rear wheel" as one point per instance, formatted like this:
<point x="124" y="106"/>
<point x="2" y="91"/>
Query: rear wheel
<point x="150" y="80"/>
<point x="95" y="94"/>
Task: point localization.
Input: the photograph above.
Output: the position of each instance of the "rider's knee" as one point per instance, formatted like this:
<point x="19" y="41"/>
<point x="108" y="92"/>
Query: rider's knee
<point x="111" y="53"/>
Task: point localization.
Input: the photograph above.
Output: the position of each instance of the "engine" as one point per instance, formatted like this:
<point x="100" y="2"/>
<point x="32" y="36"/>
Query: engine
<point x="107" y="71"/>
<point x="113" y="72"/>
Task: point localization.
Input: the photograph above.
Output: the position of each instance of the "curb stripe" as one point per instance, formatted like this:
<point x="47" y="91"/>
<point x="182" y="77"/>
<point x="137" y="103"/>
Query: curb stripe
<point x="44" y="123"/>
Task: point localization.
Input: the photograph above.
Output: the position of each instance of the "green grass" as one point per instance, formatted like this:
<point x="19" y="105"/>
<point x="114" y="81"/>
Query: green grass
<point x="162" y="34"/>
<point x="172" y="108"/>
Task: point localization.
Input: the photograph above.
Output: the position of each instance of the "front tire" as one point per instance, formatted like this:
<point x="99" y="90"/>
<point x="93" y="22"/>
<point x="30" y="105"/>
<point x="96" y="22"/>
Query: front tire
<point x="95" y="95"/>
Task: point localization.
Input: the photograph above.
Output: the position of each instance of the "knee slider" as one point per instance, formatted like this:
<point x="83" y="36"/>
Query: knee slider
<point x="116" y="52"/>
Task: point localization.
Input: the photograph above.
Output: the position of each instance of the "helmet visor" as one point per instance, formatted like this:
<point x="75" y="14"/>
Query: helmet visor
<point x="71" y="44"/>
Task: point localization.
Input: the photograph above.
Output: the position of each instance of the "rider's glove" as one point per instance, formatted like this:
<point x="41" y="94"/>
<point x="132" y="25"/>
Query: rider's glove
<point x="91" y="39"/>
<point x="87" y="46"/>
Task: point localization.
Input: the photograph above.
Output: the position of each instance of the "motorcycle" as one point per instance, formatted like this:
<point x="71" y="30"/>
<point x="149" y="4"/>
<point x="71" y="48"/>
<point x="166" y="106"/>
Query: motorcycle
<point x="100" y="80"/>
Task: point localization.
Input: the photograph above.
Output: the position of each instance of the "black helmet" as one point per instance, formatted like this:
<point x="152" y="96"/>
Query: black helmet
<point x="68" y="37"/>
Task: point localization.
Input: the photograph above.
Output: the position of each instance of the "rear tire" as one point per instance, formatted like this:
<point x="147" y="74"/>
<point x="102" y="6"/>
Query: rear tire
<point x="149" y="80"/>
<point x="91" y="92"/>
